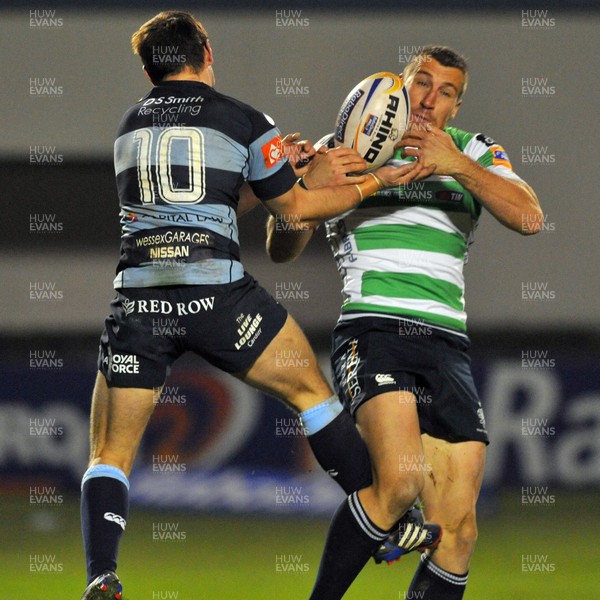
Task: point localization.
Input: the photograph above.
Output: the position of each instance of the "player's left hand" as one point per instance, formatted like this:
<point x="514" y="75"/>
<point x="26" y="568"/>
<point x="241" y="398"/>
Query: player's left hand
<point x="336" y="166"/>
<point x="431" y="145"/>
<point x="299" y="152"/>
<point x="390" y="176"/>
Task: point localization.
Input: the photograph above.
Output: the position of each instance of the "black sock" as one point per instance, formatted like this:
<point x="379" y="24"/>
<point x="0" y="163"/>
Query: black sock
<point x="431" y="582"/>
<point x="351" y="540"/>
<point x="104" y="511"/>
<point x="342" y="453"/>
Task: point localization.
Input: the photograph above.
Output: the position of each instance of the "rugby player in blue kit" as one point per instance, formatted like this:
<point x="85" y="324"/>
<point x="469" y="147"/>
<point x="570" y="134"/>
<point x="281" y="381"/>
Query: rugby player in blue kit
<point x="186" y="157"/>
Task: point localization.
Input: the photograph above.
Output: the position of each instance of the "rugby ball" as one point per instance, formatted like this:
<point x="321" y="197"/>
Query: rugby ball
<point x="373" y="117"/>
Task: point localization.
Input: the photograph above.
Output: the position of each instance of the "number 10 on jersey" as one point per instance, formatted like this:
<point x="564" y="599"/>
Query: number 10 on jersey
<point x="182" y="147"/>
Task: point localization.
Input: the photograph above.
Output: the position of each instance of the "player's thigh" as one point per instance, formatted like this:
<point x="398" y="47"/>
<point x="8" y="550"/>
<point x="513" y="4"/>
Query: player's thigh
<point x="127" y="413"/>
<point x="288" y="369"/>
<point x="389" y="424"/>
<point x="453" y="480"/>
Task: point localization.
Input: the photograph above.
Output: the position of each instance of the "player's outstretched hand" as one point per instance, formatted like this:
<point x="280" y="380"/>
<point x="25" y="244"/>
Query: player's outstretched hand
<point x="394" y="176"/>
<point x="335" y="166"/>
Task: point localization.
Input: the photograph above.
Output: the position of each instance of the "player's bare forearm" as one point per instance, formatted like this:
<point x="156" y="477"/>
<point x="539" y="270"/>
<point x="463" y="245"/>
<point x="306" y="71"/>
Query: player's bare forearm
<point x="247" y="201"/>
<point x="327" y="168"/>
<point x="299" y="207"/>
<point x="287" y="237"/>
<point x="512" y="203"/>
<point x="284" y="245"/>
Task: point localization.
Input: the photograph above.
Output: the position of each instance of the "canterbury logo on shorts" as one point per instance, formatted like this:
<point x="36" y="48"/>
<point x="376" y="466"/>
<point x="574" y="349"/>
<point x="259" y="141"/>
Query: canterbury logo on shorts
<point x="384" y="379"/>
<point x="120" y="521"/>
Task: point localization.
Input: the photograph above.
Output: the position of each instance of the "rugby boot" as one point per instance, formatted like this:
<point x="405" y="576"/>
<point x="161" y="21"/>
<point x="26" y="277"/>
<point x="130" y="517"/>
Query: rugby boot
<point x="411" y="533"/>
<point x="105" y="587"/>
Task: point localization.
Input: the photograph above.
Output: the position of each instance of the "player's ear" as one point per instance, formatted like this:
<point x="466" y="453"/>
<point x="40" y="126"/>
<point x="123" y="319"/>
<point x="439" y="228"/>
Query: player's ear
<point x="209" y="57"/>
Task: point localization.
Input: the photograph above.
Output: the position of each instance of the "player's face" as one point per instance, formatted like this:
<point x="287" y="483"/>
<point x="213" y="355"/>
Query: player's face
<point x="434" y="93"/>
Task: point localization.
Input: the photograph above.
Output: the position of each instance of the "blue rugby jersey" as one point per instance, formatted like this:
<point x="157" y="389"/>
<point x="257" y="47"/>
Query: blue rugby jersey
<point x="181" y="154"/>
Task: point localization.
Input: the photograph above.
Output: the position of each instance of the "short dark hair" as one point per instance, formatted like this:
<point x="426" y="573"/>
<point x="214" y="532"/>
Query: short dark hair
<point x="169" y="42"/>
<point x="445" y="56"/>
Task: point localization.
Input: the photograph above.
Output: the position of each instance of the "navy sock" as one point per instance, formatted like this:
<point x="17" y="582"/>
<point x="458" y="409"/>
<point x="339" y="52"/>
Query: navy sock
<point x="104" y="511"/>
<point x="431" y="582"/>
<point x="351" y="540"/>
<point x="342" y="453"/>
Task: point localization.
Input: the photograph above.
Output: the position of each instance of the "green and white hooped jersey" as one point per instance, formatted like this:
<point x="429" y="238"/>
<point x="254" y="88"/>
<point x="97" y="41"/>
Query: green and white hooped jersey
<point x="401" y="252"/>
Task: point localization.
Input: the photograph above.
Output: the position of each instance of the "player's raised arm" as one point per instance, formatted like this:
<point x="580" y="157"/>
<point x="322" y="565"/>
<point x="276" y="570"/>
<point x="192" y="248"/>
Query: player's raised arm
<point x="327" y="168"/>
<point x="513" y="203"/>
<point x="300" y="206"/>
<point x="299" y="153"/>
<point x="331" y="172"/>
<point x="510" y="200"/>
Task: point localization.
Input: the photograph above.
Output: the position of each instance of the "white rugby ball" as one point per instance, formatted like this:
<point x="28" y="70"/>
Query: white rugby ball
<point x="373" y="117"/>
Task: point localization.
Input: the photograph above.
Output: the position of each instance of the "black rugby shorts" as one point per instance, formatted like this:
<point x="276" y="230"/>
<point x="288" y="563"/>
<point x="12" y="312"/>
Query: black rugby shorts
<point x="149" y="328"/>
<point x="375" y="355"/>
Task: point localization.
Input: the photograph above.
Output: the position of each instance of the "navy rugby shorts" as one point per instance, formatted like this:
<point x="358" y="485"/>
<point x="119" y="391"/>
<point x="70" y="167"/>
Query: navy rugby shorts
<point x="375" y="355"/>
<point x="149" y="328"/>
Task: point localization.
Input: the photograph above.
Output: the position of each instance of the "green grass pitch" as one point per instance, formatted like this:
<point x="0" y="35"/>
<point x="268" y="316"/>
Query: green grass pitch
<point x="523" y="553"/>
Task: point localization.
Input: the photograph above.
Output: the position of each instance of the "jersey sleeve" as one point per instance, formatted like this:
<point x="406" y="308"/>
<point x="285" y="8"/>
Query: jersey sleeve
<point x="491" y="155"/>
<point x="269" y="172"/>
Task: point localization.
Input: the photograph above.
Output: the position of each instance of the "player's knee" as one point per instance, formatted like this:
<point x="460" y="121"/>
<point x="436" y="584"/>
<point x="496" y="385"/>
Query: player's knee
<point x="411" y="489"/>
<point x="463" y="533"/>
<point x="121" y="461"/>
<point x="469" y="534"/>
<point x="401" y="493"/>
<point x="303" y="393"/>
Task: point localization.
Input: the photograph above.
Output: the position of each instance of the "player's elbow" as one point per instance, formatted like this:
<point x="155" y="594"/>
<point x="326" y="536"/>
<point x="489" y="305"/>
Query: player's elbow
<point x="531" y="218"/>
<point x="530" y="230"/>
<point x="531" y="223"/>
<point x="280" y="255"/>
<point x="280" y="249"/>
<point x="288" y="247"/>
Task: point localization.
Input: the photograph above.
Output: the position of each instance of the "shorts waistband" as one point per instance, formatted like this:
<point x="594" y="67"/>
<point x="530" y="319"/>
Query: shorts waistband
<point x="211" y="271"/>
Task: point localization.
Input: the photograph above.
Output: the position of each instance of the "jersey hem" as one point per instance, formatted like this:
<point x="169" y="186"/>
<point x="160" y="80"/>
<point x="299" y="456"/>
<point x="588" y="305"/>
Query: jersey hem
<point x="349" y="316"/>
